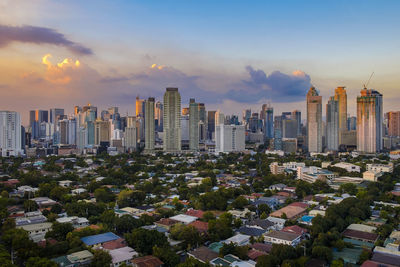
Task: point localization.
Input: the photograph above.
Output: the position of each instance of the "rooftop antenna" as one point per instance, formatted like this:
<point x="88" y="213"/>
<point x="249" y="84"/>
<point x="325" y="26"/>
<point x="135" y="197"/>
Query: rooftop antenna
<point x="366" y="84"/>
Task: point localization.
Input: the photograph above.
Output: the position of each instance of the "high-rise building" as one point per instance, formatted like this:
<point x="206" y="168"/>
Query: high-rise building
<point x="140" y="110"/>
<point x="55" y="113"/>
<point x="149" y="124"/>
<point x="341" y="98"/>
<point x="369" y="121"/>
<point x="130" y="141"/>
<point x="269" y="123"/>
<point x="211" y="125"/>
<point x="332" y="124"/>
<point x="10" y="134"/>
<point x="36" y="117"/>
<point x="202" y="122"/>
<point x="246" y="116"/>
<point x="296" y="115"/>
<point x="172" y="120"/>
<point x="289" y="128"/>
<point x="101" y="131"/>
<point x="194" y="120"/>
<point x="219" y="118"/>
<point x="278" y="133"/>
<point x="158" y="116"/>
<point x="314" y="121"/>
<point x="229" y="138"/>
<point x="393" y="123"/>
<point x="352" y="123"/>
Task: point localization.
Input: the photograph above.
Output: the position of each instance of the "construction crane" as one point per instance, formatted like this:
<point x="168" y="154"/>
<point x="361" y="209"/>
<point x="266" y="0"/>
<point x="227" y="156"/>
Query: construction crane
<point x="366" y="84"/>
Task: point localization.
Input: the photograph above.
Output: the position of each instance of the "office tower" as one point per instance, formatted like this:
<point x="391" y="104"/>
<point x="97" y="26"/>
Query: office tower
<point x="332" y="124"/>
<point x="172" y="120"/>
<point x="229" y="138"/>
<point x="289" y="128"/>
<point x="185" y="130"/>
<point x="10" y="134"/>
<point x="211" y="125"/>
<point x="254" y="123"/>
<point x="77" y="110"/>
<point x="63" y="131"/>
<point x="105" y="115"/>
<point x="341" y="98"/>
<point x="140" y="110"/>
<point x="278" y="133"/>
<point x="149" y="124"/>
<point x="246" y="115"/>
<point x="194" y="120"/>
<point x="55" y="113"/>
<point x="263" y="112"/>
<point x="269" y="123"/>
<point x="158" y="115"/>
<point x="314" y="121"/>
<point x="131" y="121"/>
<point x="202" y="122"/>
<point x="130" y="141"/>
<point x="72" y="128"/>
<point x="219" y="118"/>
<point x="296" y="115"/>
<point x="352" y="123"/>
<point x="90" y="132"/>
<point x="35" y="119"/>
<point x="393" y="123"/>
<point x="369" y="121"/>
<point x="101" y="131"/>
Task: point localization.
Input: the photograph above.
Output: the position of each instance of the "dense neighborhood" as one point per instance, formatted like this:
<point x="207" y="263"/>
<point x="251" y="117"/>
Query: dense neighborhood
<point x="237" y="209"/>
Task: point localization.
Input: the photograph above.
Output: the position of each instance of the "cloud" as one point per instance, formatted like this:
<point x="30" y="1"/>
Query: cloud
<point x="61" y="72"/>
<point x="39" y="35"/>
<point x="278" y="86"/>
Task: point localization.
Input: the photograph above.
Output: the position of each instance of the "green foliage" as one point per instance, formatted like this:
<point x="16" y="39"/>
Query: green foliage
<point x="186" y="233"/>
<point x="30" y="205"/>
<point x="220" y="228"/>
<point x="166" y="255"/>
<point x="19" y="241"/>
<point x="59" y="231"/>
<point x="100" y="258"/>
<point x="240" y="202"/>
<point x="239" y="251"/>
<point x="192" y="262"/>
<point x="322" y="252"/>
<point x="104" y="195"/>
<point x="40" y="262"/>
<point x="143" y="240"/>
<point x="126" y="224"/>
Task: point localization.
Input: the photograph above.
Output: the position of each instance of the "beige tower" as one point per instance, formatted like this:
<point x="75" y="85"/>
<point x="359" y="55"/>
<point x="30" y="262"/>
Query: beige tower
<point x="341" y="98"/>
<point x="101" y="131"/>
<point x="314" y="120"/>
<point x="172" y="120"/>
<point x="149" y="125"/>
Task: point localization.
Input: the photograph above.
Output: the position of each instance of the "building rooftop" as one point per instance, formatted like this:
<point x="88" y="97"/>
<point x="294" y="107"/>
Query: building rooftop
<point x="98" y="239"/>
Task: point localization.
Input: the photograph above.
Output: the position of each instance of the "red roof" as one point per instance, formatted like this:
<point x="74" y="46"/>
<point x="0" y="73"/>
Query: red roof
<point x="299" y="204"/>
<point x="147" y="261"/>
<point x="295" y="229"/>
<point x="196" y="213"/>
<point x="167" y="222"/>
<point x="254" y="254"/>
<point x="114" y="244"/>
<point x="202" y="227"/>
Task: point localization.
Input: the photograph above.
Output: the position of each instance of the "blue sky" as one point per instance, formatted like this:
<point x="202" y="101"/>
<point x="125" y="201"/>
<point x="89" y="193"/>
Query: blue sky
<point x="206" y="48"/>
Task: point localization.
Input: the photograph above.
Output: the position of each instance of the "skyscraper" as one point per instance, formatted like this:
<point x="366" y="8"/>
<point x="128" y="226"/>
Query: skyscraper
<point x="202" y="122"/>
<point x="369" y="121"/>
<point x="211" y="125"/>
<point x="341" y="98"/>
<point x="101" y="131"/>
<point x="36" y="117"/>
<point x="269" y="123"/>
<point x="10" y="133"/>
<point x="296" y="115"/>
<point x="140" y="110"/>
<point x="194" y="119"/>
<point x="393" y="120"/>
<point x="158" y="116"/>
<point x="149" y="124"/>
<point x="172" y="120"/>
<point x="332" y="124"/>
<point x="314" y="121"/>
<point x="229" y="138"/>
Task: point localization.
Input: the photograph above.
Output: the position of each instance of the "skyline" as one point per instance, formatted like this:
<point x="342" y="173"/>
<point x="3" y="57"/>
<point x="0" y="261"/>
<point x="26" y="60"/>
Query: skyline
<point x="239" y="57"/>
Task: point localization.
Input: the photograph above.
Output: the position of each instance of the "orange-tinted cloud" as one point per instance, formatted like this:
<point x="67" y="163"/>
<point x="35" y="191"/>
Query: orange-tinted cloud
<point x="61" y="73"/>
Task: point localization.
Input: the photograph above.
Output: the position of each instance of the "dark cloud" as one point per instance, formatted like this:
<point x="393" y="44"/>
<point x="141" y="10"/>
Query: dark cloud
<point x="278" y="86"/>
<point x="39" y="35"/>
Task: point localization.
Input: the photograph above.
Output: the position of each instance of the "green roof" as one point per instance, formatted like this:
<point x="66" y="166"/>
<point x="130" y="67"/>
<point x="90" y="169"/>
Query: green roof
<point x="215" y="246"/>
<point x="349" y="255"/>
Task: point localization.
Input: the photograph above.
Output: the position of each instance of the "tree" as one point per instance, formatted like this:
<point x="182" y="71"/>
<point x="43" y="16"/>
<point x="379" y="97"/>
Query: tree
<point x="40" y="262"/>
<point x="240" y="202"/>
<point x="166" y="255"/>
<point x="322" y="252"/>
<point x="364" y="256"/>
<point x="348" y="188"/>
<point x="192" y="262"/>
<point x="18" y="240"/>
<point x="208" y="216"/>
<point x="58" y="192"/>
<point x="100" y="258"/>
<point x="126" y="224"/>
<point x="108" y="217"/>
<point x="104" y="195"/>
<point x="267" y="260"/>
<point x="143" y="240"/>
<point x="187" y="233"/>
<point x="30" y="205"/>
<point x="264" y="208"/>
<point x="59" y="231"/>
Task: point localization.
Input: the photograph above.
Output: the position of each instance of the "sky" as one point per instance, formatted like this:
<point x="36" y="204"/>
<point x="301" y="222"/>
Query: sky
<point x="230" y="55"/>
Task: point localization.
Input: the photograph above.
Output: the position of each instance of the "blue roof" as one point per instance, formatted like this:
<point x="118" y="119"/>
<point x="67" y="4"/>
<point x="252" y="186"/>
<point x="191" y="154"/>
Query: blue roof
<point x="97" y="239"/>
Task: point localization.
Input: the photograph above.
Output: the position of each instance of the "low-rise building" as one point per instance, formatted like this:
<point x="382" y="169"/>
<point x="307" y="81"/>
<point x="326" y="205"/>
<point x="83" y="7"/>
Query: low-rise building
<point x="37" y="231"/>
<point x="81" y="258"/>
<point x="347" y="166"/>
<point x="372" y="176"/>
<point x="280" y="237"/>
<point x="122" y="255"/>
<point x="380" y="167"/>
<point x="76" y="221"/>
